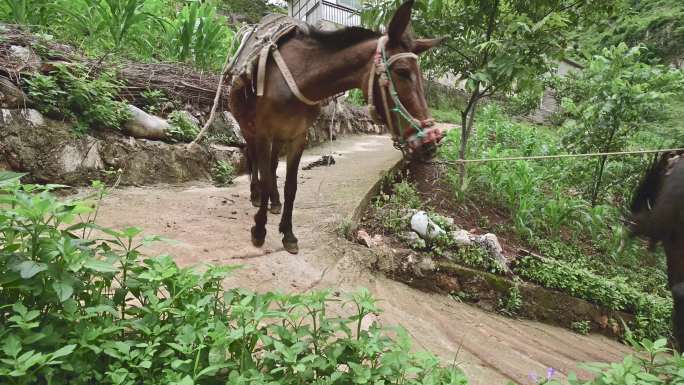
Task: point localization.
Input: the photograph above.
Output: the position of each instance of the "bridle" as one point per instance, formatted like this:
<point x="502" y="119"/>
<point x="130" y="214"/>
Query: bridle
<point x="381" y="69"/>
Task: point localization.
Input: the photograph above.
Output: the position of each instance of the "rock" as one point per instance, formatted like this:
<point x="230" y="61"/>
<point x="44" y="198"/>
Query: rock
<point x="461" y="238"/>
<point x="425" y="227"/>
<point x="146" y="126"/>
<point x="49" y="152"/>
<point x="11" y="96"/>
<point x="24" y="58"/>
<point x="491" y="244"/>
<point x="492" y="241"/>
<point x="378" y="240"/>
<point x="364" y="239"/>
<point x="226" y="125"/>
<point x="190" y="118"/>
<point x="427" y="265"/>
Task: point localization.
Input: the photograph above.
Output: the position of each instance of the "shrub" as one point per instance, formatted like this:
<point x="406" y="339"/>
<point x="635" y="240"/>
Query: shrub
<point x="511" y="303"/>
<point x="72" y="94"/>
<point x="153" y="101"/>
<point x="82" y="310"/>
<point x="223" y="173"/>
<point x="581" y="327"/>
<point x="181" y="129"/>
<point x="653" y="314"/>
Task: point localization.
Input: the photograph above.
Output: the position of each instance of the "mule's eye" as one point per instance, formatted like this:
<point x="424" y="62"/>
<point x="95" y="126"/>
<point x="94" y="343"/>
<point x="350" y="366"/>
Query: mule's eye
<point x="404" y="72"/>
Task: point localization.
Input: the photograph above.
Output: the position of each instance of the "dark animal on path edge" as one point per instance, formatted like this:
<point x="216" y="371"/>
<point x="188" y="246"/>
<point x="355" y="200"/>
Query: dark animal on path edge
<point x="277" y="107"/>
<point x="658" y="215"/>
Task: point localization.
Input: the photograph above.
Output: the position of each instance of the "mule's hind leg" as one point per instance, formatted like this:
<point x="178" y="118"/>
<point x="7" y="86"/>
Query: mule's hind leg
<point x="252" y="161"/>
<point x="263" y="148"/>
<point x="290" y="242"/>
<point x="678" y="315"/>
<point x="276" y="206"/>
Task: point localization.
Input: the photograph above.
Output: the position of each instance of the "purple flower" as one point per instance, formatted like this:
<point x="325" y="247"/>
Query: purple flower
<point x="549" y="373"/>
<point x="534" y="378"/>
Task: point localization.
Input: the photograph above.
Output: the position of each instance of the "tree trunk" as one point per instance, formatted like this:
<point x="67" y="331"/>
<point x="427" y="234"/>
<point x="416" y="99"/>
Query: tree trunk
<point x="601" y="167"/>
<point x="467" y="120"/>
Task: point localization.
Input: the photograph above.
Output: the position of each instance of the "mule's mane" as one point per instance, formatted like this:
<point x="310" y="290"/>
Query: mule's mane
<point x="647" y="190"/>
<point x="343" y="38"/>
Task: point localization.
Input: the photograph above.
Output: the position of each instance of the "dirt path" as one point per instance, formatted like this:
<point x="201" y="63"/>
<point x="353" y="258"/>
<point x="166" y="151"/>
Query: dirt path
<point x="211" y="225"/>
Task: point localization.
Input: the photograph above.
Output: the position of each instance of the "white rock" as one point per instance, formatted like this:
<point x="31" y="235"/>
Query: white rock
<point x="143" y="125"/>
<point x="492" y="242"/>
<point x="365" y="239"/>
<point x="461" y="238"/>
<point x="425" y="227"/>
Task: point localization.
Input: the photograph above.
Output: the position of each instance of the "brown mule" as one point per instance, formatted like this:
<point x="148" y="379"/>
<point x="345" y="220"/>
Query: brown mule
<point x="324" y="64"/>
<point x="657" y="212"/>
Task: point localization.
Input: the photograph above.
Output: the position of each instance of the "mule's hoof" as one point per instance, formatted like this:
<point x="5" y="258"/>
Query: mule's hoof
<point x="291" y="247"/>
<point x="256" y="202"/>
<point x="276" y="209"/>
<point x="257" y="240"/>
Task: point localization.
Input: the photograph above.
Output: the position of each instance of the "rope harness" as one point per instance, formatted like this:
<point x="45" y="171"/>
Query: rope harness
<point x="381" y="68"/>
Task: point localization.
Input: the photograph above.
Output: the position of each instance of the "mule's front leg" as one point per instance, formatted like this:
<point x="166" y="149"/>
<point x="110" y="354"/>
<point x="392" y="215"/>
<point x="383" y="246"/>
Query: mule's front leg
<point x="290" y="242"/>
<point x="678" y="315"/>
<point x="263" y="148"/>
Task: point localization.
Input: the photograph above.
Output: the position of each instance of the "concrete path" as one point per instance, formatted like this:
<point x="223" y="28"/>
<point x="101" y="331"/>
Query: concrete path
<point x="211" y="225"/>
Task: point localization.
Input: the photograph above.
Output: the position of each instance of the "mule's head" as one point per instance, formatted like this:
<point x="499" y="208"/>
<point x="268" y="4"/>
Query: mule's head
<point x="397" y="90"/>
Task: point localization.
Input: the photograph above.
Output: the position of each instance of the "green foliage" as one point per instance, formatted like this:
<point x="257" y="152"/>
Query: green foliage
<point x="143" y="30"/>
<point x="223" y="173"/>
<point x="200" y="35"/>
<point x="492" y="44"/>
<point x="27" y="11"/>
<point x="71" y="93"/>
<point x="581" y="327"/>
<point x="181" y="129"/>
<point x="652" y="364"/>
<point x="81" y="310"/>
<point x="653" y="313"/>
<point x="250" y="11"/>
<point x="656" y="24"/>
<point x="153" y="101"/>
<point x="609" y="101"/>
<point x="511" y="303"/>
<point x="355" y="97"/>
<point x="395" y="207"/>
<point x="119" y="17"/>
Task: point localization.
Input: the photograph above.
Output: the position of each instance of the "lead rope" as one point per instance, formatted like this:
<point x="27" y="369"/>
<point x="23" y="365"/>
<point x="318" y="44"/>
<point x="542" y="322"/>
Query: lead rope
<point x="332" y="125"/>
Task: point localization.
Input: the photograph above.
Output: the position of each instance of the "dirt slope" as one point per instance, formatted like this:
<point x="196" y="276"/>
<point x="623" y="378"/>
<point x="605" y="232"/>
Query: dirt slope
<point x="212" y="225"/>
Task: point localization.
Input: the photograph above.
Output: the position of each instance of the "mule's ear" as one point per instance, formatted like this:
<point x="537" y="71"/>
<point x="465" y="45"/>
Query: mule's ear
<point x="422" y="45"/>
<point x="400" y="22"/>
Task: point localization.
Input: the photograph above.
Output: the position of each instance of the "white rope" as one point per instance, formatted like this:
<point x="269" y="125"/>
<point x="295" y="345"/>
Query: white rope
<point x="561" y="156"/>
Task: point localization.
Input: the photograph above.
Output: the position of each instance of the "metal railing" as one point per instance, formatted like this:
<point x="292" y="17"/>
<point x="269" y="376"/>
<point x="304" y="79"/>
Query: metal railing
<point x="340" y="14"/>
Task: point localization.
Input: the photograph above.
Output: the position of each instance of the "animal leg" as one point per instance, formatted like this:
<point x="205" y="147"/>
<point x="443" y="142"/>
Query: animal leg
<point x="263" y="148"/>
<point x="678" y="315"/>
<point x="290" y="242"/>
<point x="276" y="206"/>
<point x="254" y="188"/>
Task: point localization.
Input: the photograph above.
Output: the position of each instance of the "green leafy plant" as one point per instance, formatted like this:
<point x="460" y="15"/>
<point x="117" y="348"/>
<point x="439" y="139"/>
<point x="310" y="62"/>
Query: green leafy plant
<point x="581" y="327"/>
<point x="181" y="129"/>
<point x="511" y="303"/>
<point x="223" y="173"/>
<point x="610" y="100"/>
<point x="200" y="35"/>
<point x="80" y="304"/>
<point x="153" y="101"/>
<point x="71" y="93"/>
<point x="119" y="17"/>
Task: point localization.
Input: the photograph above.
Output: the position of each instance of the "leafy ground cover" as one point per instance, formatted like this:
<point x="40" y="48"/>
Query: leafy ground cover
<point x="80" y="304"/>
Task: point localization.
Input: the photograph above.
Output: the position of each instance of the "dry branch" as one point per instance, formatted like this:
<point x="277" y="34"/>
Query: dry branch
<point x="179" y="82"/>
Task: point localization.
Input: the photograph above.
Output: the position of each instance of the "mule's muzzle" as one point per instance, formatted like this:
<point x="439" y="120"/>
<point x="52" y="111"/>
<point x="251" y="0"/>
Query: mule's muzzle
<point x="423" y="145"/>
